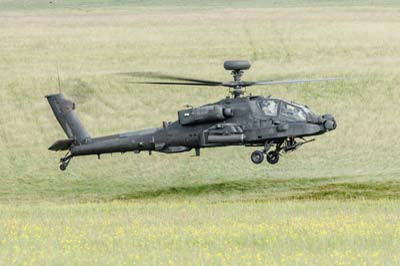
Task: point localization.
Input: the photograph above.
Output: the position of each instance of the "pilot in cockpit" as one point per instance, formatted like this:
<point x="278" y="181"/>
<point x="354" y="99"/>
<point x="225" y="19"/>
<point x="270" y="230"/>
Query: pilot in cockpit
<point x="270" y="108"/>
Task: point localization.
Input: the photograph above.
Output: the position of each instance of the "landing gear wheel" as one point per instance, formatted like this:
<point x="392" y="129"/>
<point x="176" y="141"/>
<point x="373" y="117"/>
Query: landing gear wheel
<point x="63" y="166"/>
<point x="257" y="157"/>
<point x="273" y="157"/>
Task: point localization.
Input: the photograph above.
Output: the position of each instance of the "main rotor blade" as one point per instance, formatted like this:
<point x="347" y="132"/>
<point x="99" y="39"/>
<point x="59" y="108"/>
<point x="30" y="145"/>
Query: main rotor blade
<point x="178" y="83"/>
<point x="233" y="84"/>
<point x="169" y="77"/>
<point x="211" y="83"/>
<point x="278" y="82"/>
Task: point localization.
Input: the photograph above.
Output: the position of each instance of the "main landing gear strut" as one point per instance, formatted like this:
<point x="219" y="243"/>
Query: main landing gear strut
<point x="286" y="145"/>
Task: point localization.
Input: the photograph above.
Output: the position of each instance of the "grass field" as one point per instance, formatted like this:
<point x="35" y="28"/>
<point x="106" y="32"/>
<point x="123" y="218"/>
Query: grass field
<point x="194" y="233"/>
<point x="335" y="200"/>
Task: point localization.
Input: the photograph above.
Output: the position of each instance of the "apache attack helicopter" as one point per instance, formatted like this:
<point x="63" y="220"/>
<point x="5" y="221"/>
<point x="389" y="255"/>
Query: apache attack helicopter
<point x="253" y="121"/>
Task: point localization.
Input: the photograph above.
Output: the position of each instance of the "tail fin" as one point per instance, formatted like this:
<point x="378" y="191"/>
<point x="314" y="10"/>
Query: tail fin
<point x="63" y="109"/>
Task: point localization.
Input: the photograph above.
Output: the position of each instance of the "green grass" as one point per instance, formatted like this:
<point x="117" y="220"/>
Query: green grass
<point x="195" y="233"/>
<point x="353" y="171"/>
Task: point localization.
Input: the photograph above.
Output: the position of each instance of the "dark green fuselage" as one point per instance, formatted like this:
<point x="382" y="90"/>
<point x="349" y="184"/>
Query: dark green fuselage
<point x="231" y="121"/>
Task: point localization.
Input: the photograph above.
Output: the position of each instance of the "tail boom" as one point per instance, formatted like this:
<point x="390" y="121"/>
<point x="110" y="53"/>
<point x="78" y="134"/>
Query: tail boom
<point x="132" y="141"/>
<point x="79" y="142"/>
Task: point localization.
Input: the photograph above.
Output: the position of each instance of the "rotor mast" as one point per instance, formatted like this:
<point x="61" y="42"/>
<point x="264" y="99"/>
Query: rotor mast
<point x="237" y="67"/>
<point x="237" y="89"/>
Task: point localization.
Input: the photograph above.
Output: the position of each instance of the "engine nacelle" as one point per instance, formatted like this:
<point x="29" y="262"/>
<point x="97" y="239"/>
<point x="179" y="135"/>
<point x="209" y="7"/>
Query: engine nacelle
<point x="204" y="114"/>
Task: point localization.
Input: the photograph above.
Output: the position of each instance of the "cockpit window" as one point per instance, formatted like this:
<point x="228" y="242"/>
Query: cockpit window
<point x="291" y="112"/>
<point x="269" y="107"/>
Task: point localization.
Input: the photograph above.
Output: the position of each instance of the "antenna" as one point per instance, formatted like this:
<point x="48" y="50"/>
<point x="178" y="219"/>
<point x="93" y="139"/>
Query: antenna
<point x="59" y="81"/>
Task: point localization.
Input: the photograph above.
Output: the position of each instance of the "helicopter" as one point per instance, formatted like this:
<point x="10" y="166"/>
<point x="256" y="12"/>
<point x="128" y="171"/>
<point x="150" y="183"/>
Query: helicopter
<point x="274" y="125"/>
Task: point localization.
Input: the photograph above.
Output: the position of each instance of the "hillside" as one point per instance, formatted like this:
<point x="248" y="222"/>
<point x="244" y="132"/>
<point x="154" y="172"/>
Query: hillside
<point x="360" y="159"/>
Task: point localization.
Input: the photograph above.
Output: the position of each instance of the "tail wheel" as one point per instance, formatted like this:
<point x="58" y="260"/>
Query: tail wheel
<point x="65" y="161"/>
<point x="257" y="157"/>
<point x="273" y="157"/>
<point x="63" y="166"/>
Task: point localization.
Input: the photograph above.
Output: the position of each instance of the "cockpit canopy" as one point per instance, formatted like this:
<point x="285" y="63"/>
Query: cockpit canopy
<point x="285" y="110"/>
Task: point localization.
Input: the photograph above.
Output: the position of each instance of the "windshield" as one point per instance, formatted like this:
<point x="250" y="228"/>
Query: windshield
<point x="269" y="107"/>
<point x="292" y="112"/>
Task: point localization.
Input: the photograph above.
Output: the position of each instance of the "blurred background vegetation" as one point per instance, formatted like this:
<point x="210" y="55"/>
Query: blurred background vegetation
<point x="89" y="40"/>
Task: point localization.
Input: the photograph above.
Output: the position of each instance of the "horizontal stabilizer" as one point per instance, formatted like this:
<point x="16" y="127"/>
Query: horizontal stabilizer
<point x="61" y="145"/>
